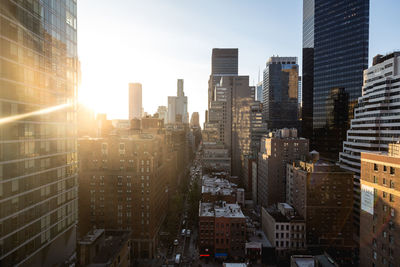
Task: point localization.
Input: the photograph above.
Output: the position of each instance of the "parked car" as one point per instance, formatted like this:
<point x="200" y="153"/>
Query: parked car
<point x="183" y="232"/>
<point x="176" y="242"/>
<point x="187" y="233"/>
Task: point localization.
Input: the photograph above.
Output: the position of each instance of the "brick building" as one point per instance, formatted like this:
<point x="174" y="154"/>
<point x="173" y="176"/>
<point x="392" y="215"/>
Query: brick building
<point x="124" y="184"/>
<point x="284" y="228"/>
<point x="379" y="220"/>
<point x="222" y="230"/>
<point x="277" y="149"/>
<point x="322" y="194"/>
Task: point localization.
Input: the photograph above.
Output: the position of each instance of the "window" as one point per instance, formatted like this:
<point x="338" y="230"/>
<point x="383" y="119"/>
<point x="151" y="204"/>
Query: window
<point x="384" y="181"/>
<point x="384" y="194"/>
<point x="391" y="184"/>
<point x="375" y="180"/>
<point x="391" y="197"/>
<point x="392" y="170"/>
<point x="384" y="169"/>
<point x="375" y="167"/>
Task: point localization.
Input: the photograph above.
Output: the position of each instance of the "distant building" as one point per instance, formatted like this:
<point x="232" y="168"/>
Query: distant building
<point x="277" y="149"/>
<point x="222" y="230"/>
<point x="285" y="229"/>
<point x="135" y="101"/>
<point x="380" y="207"/>
<point x="322" y="194"/>
<point x="259" y="92"/>
<point x="163" y="113"/>
<point x="195" y="120"/>
<point x="105" y="248"/>
<point x="216" y="158"/>
<point x="178" y="106"/>
<point x="219" y="189"/>
<point x="280" y="92"/>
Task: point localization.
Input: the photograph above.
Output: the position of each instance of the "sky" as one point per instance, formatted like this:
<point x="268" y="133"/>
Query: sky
<point x="156" y="42"/>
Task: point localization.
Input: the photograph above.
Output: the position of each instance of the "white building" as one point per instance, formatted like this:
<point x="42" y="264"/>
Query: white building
<point x="177" y="106"/>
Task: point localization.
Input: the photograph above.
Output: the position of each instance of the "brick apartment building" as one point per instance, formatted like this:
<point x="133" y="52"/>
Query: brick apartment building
<point x="322" y="194"/>
<point x="124" y="183"/>
<point x="380" y="208"/>
<point x="222" y="230"/>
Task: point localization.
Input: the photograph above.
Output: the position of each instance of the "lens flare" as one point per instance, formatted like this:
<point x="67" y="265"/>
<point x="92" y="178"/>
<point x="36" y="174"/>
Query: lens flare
<point x="33" y="113"/>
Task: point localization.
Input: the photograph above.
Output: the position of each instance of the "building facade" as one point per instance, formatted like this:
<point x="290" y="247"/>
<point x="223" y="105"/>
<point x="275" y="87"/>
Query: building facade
<point x="379" y="218"/>
<point x="280" y="92"/>
<point x="124" y="184"/>
<point x="135" y="101"/>
<point x="335" y="54"/>
<point x="222" y="230"/>
<point x="322" y="194"/>
<point x="178" y="106"/>
<point x="277" y="149"/>
<point x="375" y="118"/>
<point x="38" y="152"/>
<point x="285" y="229"/>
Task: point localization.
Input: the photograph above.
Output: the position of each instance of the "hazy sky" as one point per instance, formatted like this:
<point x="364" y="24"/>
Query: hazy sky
<point x="156" y="42"/>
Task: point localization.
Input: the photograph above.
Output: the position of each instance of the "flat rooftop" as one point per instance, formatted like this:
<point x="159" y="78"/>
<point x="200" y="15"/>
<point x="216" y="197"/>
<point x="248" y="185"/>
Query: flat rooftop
<point x="114" y="241"/>
<point x="221" y="209"/>
<point x="90" y="237"/>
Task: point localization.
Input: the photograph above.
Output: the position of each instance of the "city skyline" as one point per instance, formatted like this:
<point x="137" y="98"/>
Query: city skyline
<point x="168" y="50"/>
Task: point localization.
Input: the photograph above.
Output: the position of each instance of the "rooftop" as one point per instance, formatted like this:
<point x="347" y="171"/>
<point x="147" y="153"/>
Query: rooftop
<point x="115" y="240"/>
<point x="92" y="236"/>
<point x="303" y="261"/>
<point x="220" y="209"/>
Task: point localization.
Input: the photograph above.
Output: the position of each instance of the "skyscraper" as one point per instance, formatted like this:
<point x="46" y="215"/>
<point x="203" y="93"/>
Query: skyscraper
<point x="375" y="123"/>
<point x="335" y="53"/>
<point x="135" y="101"/>
<point x="280" y="86"/>
<point x="224" y="62"/>
<point x="38" y="162"/>
<point x="177" y="106"/>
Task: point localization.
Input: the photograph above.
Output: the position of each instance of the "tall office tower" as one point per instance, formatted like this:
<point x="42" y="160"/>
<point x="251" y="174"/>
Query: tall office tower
<point x="277" y="149"/>
<point x="308" y="70"/>
<point x="177" y="106"/>
<point x="224" y="62"/>
<point x="135" y="101"/>
<point x="380" y="179"/>
<point x="280" y="86"/>
<point x="375" y="122"/>
<point x="259" y="92"/>
<point x="335" y="53"/>
<point x="38" y="162"/>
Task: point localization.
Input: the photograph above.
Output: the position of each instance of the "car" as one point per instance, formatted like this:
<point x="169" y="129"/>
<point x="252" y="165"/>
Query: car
<point x="183" y="232"/>
<point x="178" y="259"/>
<point x="176" y="242"/>
<point x="188" y="233"/>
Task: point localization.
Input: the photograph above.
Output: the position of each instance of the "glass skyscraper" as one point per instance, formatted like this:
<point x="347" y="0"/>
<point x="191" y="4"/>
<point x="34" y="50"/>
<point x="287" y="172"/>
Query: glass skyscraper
<point x="280" y="92"/>
<point x="38" y="162"/>
<point x="335" y="53"/>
